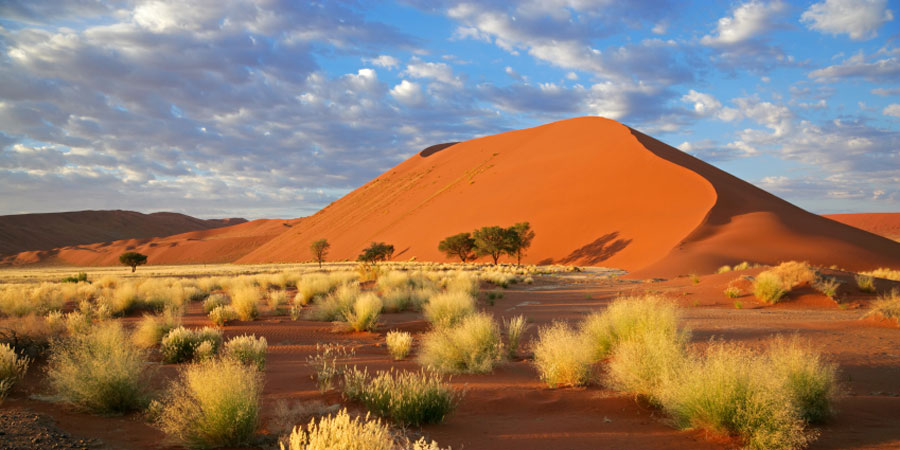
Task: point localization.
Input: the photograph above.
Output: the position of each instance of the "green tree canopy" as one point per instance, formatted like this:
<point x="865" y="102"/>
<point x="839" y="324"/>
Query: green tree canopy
<point x="133" y="259"/>
<point x="460" y="246"/>
<point x="377" y="251"/>
<point x="319" y="250"/>
<point x="520" y="236"/>
<point x="493" y="241"/>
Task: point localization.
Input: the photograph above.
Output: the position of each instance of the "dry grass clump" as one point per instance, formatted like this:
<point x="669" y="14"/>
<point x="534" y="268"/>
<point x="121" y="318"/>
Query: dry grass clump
<point x="364" y="313"/>
<point x="515" y="328"/>
<point x="562" y="356"/>
<point x="17" y="300"/>
<point x="212" y="404"/>
<point x="31" y="335"/>
<point x="471" y="346"/>
<point x="887" y="305"/>
<point x="732" y="291"/>
<point x="630" y="316"/>
<point x="333" y="307"/>
<point x="448" y="308"/>
<point x="500" y="279"/>
<point x="810" y="381"/>
<point x="221" y="315"/>
<point x="312" y="286"/>
<point x="885" y="273"/>
<point x="101" y="371"/>
<point x="865" y="283"/>
<point x="399" y="343"/>
<point x="151" y="329"/>
<point x="214" y="301"/>
<point x="461" y="282"/>
<point x="181" y="344"/>
<point x="409" y="398"/>
<point x="277" y="301"/>
<point x="247" y="349"/>
<point x="341" y="432"/>
<point x="771" y="285"/>
<point x="644" y="361"/>
<point x="325" y="364"/>
<point x="12" y="369"/>
<point x="768" y="287"/>
<point x="406" y="299"/>
<point x="245" y="301"/>
<point x="828" y="286"/>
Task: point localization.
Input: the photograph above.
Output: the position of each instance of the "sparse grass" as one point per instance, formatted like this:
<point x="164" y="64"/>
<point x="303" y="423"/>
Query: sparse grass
<point x="449" y="308"/>
<point x="12" y="369"/>
<point x="325" y="364"/>
<point x="212" y="404"/>
<point x="277" y="300"/>
<point x="884" y="272"/>
<point x="406" y="299"/>
<point x="887" y="305"/>
<point x="629" y="316"/>
<point x="101" y="371"/>
<point x="694" y="278"/>
<point x="21" y="300"/>
<point x="724" y="269"/>
<point x="214" y="301"/>
<point x="865" y="283"/>
<point x="247" y="349"/>
<point x="340" y="432"/>
<point x="31" y="335"/>
<point x="768" y="287"/>
<point x="335" y="305"/>
<point x="399" y="343"/>
<point x="471" y="346"/>
<point x="364" y="314"/>
<point x="245" y="301"/>
<point x="151" y="329"/>
<point x="515" y="327"/>
<point x="732" y="291"/>
<point x="180" y="344"/>
<point x="738" y="304"/>
<point x="562" y="356"/>
<point x="644" y="361"/>
<point x="828" y="286"/>
<point x="794" y="273"/>
<point x="810" y="381"/>
<point x="221" y="315"/>
<point x="409" y="398"/>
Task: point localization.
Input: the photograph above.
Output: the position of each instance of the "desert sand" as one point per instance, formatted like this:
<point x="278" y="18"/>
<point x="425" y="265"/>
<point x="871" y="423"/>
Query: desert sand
<point x="884" y="224"/>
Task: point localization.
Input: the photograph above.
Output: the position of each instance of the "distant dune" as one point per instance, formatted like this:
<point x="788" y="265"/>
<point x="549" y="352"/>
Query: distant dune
<point x="883" y="224"/>
<point x="25" y="232"/>
<point x="595" y="191"/>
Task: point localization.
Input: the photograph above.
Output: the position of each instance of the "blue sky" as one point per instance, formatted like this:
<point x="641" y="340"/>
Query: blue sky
<point x="275" y="108"/>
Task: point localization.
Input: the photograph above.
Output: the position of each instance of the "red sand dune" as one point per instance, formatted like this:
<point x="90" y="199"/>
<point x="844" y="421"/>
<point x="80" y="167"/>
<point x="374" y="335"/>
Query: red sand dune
<point x="24" y="232"/>
<point x="596" y="193"/>
<point x="882" y="224"/>
<point x="219" y="245"/>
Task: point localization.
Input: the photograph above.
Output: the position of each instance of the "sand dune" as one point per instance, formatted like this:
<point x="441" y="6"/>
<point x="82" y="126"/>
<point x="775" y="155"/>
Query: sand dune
<point x="883" y="224"/>
<point x="595" y="191"/>
<point x="24" y="232"/>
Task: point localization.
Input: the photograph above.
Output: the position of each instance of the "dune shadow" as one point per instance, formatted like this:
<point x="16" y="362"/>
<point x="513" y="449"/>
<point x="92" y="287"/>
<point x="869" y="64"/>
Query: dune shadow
<point x="601" y="249"/>
<point x="435" y="148"/>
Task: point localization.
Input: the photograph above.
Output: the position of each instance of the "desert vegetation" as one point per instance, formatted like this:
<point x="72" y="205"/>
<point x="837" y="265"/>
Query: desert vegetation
<point x="408" y="398"/>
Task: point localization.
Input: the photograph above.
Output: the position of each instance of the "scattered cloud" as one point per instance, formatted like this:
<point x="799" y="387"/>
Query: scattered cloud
<point x="892" y="110"/>
<point x="859" y="19"/>
<point x="883" y="66"/>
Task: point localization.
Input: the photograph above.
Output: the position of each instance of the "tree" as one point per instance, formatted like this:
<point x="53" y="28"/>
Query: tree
<point x="319" y="249"/>
<point x="459" y="245"/>
<point x="493" y="241"/>
<point x="133" y="259"/>
<point x="520" y="236"/>
<point x="377" y="251"/>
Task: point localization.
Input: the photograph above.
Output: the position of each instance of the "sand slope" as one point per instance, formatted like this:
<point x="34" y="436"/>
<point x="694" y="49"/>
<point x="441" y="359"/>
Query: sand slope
<point x="219" y="245"/>
<point x="23" y="232"/>
<point x="883" y="224"/>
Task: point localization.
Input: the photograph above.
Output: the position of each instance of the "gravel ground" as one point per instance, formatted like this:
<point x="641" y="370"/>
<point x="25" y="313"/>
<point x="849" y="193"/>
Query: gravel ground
<point x="24" y="430"/>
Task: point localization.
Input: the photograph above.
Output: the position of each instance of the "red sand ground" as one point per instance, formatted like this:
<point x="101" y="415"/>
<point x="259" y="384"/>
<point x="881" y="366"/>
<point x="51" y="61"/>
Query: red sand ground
<point x="25" y="232"/>
<point x="511" y="409"/>
<point x="595" y="191"/>
<point x="884" y="224"/>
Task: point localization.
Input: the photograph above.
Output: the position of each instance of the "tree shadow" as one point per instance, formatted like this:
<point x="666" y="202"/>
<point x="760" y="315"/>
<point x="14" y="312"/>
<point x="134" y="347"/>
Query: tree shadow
<point x="435" y="148"/>
<point x="601" y="249"/>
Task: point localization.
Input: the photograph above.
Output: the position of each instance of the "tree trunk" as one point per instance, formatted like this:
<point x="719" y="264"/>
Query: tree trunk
<point x="133" y="268"/>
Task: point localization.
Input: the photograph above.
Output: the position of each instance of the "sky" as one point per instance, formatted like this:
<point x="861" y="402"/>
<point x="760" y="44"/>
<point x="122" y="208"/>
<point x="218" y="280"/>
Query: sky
<point x="272" y="108"/>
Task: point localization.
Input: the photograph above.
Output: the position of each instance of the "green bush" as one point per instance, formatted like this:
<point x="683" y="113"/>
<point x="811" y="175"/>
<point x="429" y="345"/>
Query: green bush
<point x="472" y="346"/>
<point x="100" y="371"/>
<point x="562" y="356"/>
<point x="449" y="308"/>
<point x="631" y="316"/>
<point x="409" y="398"/>
<point x="399" y="343"/>
<point x="212" y="404"/>
<point x="247" y="350"/>
<point x="180" y="344"/>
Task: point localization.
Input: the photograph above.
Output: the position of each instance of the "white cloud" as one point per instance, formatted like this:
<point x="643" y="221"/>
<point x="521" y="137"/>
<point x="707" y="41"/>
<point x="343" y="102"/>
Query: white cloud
<point x="386" y="61"/>
<point x="860" y="19"/>
<point x="892" y="110"/>
<point x="883" y="66"/>
<point x="441" y="72"/>
<point x="886" y="92"/>
<point x="408" y="93"/>
<point x="705" y="105"/>
<point x="748" y="21"/>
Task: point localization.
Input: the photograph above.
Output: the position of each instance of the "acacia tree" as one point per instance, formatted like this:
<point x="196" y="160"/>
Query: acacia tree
<point x="133" y="259"/>
<point x="520" y="236"/>
<point x="377" y="251"/>
<point x="319" y="249"/>
<point x="492" y="240"/>
<point x="459" y="245"/>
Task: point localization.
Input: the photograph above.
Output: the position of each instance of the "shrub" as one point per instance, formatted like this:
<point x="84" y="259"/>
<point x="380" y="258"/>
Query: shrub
<point x="277" y="300"/>
<point x="342" y="432"/>
<point x="31" y="335"/>
<point x="101" y="371"/>
<point x="214" y="301"/>
<point x="180" y="344"/>
<point x="151" y="329"/>
<point x="81" y="277"/>
<point x="245" y="300"/>
<point x="221" y="315"/>
<point x="729" y="391"/>
<point x="399" y="343"/>
<point x="884" y="272"/>
<point x="562" y="356"/>
<point x="629" y="316"/>
<point x="12" y="369"/>
<point x="247" y="350"/>
<point x="515" y="327"/>
<point x="643" y="362"/>
<point x="463" y="282"/>
<point x="793" y="273"/>
<point x="827" y="286"/>
<point x="212" y="404"/>
<point x="768" y="287"/>
<point x="810" y="381"/>
<point x="333" y="307"/>
<point x="724" y="269"/>
<point x="406" y="299"/>
<point x="325" y="364"/>
<point x="448" y="308"/>
<point x="363" y="315"/>
<point x="865" y="283"/>
<point x="409" y="398"/>
<point x="887" y="305"/>
<point x="472" y="346"/>
<point x="732" y="291"/>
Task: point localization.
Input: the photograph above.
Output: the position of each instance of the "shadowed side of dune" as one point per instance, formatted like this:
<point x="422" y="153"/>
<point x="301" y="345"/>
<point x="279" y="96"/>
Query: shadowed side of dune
<point x="882" y="224"/>
<point x="749" y="224"/>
